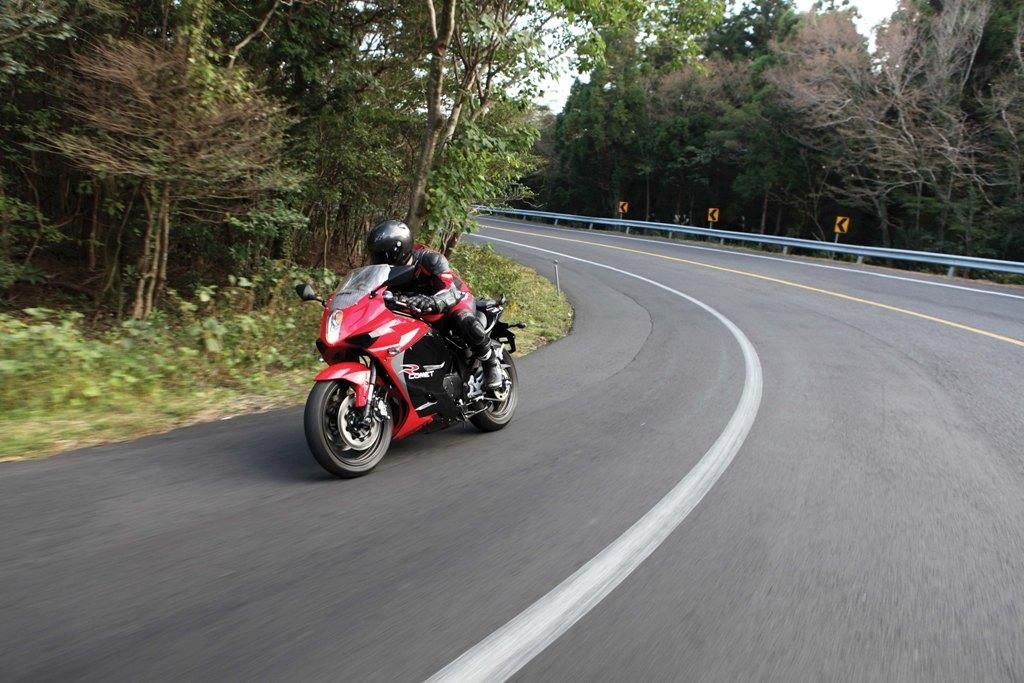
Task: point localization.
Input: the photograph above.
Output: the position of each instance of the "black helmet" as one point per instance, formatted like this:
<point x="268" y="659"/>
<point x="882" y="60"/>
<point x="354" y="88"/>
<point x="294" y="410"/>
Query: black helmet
<point x="389" y="242"/>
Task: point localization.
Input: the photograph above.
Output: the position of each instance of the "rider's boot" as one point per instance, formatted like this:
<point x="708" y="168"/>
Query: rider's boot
<point x="491" y="365"/>
<point x="480" y="345"/>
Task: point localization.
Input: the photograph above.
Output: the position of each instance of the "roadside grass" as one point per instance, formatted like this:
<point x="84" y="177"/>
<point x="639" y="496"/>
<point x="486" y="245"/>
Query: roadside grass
<point x="532" y="298"/>
<point x="226" y="351"/>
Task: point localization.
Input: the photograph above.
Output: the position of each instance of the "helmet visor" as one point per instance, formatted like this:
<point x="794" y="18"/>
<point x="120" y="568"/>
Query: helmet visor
<point x="391" y="257"/>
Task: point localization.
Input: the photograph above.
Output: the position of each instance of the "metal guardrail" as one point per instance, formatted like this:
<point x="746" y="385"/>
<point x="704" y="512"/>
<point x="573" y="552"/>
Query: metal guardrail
<point x="950" y="261"/>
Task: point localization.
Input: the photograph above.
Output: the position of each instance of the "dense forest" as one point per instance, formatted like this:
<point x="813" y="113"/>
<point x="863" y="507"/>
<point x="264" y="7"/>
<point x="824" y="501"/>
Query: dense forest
<point x="156" y="145"/>
<point x="148" y="145"/>
<point x="787" y="120"/>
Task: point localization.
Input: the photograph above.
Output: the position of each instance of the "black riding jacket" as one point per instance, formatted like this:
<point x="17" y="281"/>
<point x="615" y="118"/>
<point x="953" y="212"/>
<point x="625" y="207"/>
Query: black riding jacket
<point x="435" y="277"/>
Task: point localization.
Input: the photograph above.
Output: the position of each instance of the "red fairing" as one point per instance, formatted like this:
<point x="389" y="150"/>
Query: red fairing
<point x="410" y="423"/>
<point x="356" y="374"/>
<point x="369" y="327"/>
<point x="360" y="318"/>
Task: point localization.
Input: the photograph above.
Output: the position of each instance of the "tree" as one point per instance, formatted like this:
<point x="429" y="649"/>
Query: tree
<point x="26" y="26"/>
<point x="826" y="77"/>
<point x="598" y="136"/>
<point x="506" y="43"/>
<point x="748" y="34"/>
<point x="1002" y="105"/>
<point x="895" y="125"/>
<point x="192" y="140"/>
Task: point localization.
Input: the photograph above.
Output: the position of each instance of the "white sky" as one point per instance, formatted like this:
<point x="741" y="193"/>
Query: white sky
<point x="872" y="12"/>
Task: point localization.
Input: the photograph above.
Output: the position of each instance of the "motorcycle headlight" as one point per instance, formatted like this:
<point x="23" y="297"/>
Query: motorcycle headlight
<point x="334" y="327"/>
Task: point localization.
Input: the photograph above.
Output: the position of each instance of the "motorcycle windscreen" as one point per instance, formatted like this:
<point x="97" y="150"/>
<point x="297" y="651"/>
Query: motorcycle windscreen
<point x="358" y="283"/>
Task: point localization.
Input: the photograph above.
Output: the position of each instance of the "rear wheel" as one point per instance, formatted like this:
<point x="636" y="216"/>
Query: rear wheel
<point x="339" y="442"/>
<point x="500" y="409"/>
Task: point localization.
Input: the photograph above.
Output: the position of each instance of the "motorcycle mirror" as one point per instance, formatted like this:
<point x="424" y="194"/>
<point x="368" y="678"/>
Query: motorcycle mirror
<point x="306" y="293"/>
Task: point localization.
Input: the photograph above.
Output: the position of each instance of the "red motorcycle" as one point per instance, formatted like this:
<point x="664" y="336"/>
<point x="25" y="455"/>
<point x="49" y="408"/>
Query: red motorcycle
<point x="391" y="373"/>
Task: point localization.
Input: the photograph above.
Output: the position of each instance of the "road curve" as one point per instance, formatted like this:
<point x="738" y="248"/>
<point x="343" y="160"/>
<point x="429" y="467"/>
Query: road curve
<point x="868" y="527"/>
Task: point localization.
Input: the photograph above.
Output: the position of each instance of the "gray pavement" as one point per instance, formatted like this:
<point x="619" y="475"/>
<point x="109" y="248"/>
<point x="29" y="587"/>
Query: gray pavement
<point x="869" y="528"/>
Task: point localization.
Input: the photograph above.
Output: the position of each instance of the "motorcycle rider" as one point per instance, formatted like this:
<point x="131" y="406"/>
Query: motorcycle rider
<point x="436" y="289"/>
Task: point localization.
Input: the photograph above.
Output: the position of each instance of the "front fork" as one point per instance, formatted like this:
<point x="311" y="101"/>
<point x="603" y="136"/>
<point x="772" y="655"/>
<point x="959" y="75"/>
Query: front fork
<point x="370" y="395"/>
<point x="375" y="406"/>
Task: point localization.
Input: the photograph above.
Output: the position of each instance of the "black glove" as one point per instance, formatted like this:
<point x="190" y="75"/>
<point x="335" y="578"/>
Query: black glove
<point x="421" y="302"/>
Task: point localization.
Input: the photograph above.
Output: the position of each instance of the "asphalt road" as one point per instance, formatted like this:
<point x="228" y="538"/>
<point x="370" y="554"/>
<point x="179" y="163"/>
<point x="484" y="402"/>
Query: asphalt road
<point x="870" y="525"/>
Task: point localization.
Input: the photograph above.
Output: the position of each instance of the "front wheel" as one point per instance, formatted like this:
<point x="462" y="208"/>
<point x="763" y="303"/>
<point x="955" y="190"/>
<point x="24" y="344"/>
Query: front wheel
<point x="500" y="409"/>
<point x="341" y="445"/>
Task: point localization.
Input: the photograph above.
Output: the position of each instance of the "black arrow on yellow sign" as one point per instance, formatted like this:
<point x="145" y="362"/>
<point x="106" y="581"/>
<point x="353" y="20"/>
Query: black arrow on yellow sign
<point x="842" y="225"/>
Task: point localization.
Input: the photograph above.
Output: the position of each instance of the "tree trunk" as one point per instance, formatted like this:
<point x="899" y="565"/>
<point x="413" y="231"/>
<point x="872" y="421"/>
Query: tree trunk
<point x="257" y="31"/>
<point x="453" y="118"/>
<point x="647" y="198"/>
<point x="969" y="222"/>
<point x="764" y="212"/>
<point x="113" y="262"/>
<point x="94" y="228"/>
<point x="327" y="239"/>
<point x="883" y="221"/>
<point x="919" y="191"/>
<point x="152" y="265"/>
<point x="435" y="91"/>
<point x="451" y="242"/>
<point x="145" y="262"/>
<point x="944" y="212"/>
<point x="164" y="244"/>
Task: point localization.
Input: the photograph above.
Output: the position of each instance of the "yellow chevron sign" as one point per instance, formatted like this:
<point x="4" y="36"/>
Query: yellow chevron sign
<point x="712" y="215"/>
<point x="842" y="225"/>
<point x="623" y="207"/>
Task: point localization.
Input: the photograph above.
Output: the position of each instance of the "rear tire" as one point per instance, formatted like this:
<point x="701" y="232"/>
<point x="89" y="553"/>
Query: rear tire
<point x="342" y="453"/>
<point x="498" y="414"/>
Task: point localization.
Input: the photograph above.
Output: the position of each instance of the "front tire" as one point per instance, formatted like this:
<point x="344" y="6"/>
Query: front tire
<point x="499" y="413"/>
<point x="342" y="448"/>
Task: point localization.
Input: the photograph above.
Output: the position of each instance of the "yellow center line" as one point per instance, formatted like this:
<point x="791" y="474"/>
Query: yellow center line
<point x="779" y="281"/>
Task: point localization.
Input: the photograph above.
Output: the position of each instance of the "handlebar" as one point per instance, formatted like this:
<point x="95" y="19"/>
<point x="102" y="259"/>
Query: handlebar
<point x="393" y="300"/>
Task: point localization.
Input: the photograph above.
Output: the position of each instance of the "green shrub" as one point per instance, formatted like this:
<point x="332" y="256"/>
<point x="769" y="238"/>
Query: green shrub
<point x="487" y="273"/>
<point x="233" y="336"/>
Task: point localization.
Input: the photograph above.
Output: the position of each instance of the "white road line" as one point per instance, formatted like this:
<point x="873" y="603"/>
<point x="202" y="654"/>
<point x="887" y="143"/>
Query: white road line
<point x="504" y="652"/>
<point x="795" y="262"/>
